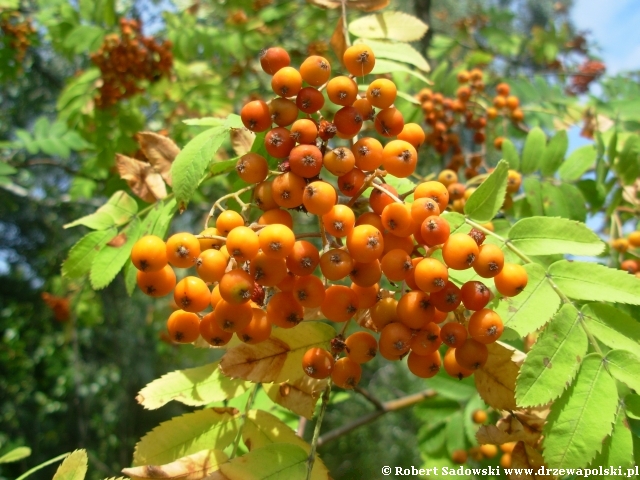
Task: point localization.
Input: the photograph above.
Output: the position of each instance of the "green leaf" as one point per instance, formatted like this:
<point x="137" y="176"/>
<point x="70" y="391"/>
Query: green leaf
<point x="84" y="38"/>
<point x="74" y="467"/>
<point x="547" y="236"/>
<point x="533" y="190"/>
<point x="110" y="260"/>
<point x="625" y="367"/>
<point x="484" y="203"/>
<point x="510" y="154"/>
<point x="277" y="461"/>
<point x="81" y="255"/>
<point x="612" y="327"/>
<point x="398" y="26"/>
<point x="453" y="435"/>
<point x="388" y="66"/>
<point x="581" y="418"/>
<point x="397" y="51"/>
<point x="533" y="151"/>
<point x="554" y="153"/>
<point x="190" y="165"/>
<point x="628" y="164"/>
<point x="164" y="220"/>
<point x="211" y="428"/>
<point x="194" y="386"/>
<point x="117" y="211"/>
<point x="6" y="169"/>
<point x="617" y="449"/>
<point x="591" y="281"/>
<point x="15" y="455"/>
<point x="554" y="359"/>
<point x="533" y="307"/>
<point x="581" y="160"/>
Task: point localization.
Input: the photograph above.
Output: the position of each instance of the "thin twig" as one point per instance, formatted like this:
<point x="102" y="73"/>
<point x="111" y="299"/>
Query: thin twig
<point x="387" y="407"/>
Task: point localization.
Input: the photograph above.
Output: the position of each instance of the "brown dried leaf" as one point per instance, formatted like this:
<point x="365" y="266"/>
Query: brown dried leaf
<point x="496" y="381"/>
<point x="300" y="395"/>
<point x="525" y="457"/>
<point x="242" y="140"/>
<point x="364" y="5"/>
<point x="118" y="240"/>
<point x="135" y="172"/>
<point x="494" y="435"/>
<point x="338" y="41"/>
<point x="279" y="358"/>
<point x="191" y="467"/>
<point x="161" y="151"/>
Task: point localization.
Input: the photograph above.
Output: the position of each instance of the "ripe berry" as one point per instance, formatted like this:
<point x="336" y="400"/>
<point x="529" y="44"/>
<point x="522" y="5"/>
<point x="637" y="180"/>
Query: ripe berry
<point x="317" y="363"/>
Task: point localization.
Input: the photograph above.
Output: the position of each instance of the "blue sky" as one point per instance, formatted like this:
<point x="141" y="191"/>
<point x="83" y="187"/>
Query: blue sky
<point x="615" y="27"/>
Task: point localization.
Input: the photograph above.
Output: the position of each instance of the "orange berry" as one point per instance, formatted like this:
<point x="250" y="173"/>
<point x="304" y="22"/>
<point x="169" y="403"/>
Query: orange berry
<point x="452" y="367"/>
<point x="157" y="284"/>
<point x="367" y="153"/>
<point x="211" y="265"/>
<point x="359" y="60"/>
<point x="395" y="341"/>
<point x="361" y="346"/>
<point x="319" y="197"/>
<point x="252" y="168"/>
<point x="315" y="70"/>
<point x="365" y="243"/>
<point x="511" y="280"/>
<point x="381" y="93"/>
<point x="273" y="59"/>
<point x="340" y="303"/>
<point x="336" y="264"/>
<point x="340" y="221"/>
<point x="339" y="161"/>
<point x="424" y="366"/>
<point x="414" y="310"/>
<point x="258" y="330"/>
<point x="149" y="254"/>
<point x="243" y="244"/>
<point x="192" y="294"/>
<point x="317" y="363"/>
<point x="212" y="333"/>
<point x="183" y="327"/>
<point x="182" y="250"/>
<point x="485" y="326"/>
<point x="399" y="158"/>
<point x="346" y="373"/>
<point x="284" y="311"/>
<point x="459" y="251"/>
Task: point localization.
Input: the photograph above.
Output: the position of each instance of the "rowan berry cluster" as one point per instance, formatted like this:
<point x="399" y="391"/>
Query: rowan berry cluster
<point x="624" y="246"/>
<point x="18" y="32"/>
<point x="451" y="120"/>
<point x="264" y="275"/>
<point x="128" y="59"/>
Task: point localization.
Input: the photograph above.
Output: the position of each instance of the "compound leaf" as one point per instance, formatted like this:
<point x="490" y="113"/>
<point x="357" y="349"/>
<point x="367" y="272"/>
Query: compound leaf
<point x="554" y="359"/>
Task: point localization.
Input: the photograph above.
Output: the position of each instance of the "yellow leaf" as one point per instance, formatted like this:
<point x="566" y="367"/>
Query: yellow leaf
<point x="278" y="359"/>
<point x="496" y="380"/>
<point x="299" y="395"/>
<point x="261" y="429"/>
<point x="74" y="466"/>
<point x="364" y="5"/>
<point x="187" y="434"/>
<point x="161" y="151"/>
<point x="193" y="386"/>
<point x="191" y="467"/>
